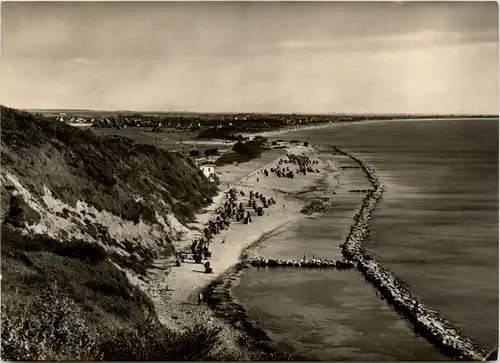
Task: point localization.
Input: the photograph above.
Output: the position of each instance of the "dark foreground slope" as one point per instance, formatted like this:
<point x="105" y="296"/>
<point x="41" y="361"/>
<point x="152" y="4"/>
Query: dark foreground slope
<point x="78" y="214"/>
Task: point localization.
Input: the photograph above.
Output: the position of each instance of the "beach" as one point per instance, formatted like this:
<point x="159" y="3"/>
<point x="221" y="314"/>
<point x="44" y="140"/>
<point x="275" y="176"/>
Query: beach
<point x="173" y="289"/>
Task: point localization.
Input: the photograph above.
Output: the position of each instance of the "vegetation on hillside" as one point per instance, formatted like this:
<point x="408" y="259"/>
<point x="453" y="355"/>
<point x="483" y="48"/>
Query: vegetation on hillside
<point x="53" y="326"/>
<point x="104" y="172"/>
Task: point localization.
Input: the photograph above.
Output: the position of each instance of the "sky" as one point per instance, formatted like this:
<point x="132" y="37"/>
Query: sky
<point x="280" y="57"/>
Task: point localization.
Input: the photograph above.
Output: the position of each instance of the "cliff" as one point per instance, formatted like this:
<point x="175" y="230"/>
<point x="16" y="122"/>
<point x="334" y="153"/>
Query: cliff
<point x="79" y="213"/>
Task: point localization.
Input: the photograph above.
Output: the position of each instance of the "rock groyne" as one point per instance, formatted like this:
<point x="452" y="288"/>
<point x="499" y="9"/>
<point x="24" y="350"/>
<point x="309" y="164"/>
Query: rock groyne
<point x="426" y="322"/>
<point x="308" y="263"/>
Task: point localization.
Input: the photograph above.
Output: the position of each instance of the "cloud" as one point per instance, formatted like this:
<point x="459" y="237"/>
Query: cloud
<point x="84" y="61"/>
<point x="421" y="39"/>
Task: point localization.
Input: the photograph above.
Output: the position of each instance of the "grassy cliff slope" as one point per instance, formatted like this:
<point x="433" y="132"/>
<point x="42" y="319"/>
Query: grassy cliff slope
<point x="78" y="214"/>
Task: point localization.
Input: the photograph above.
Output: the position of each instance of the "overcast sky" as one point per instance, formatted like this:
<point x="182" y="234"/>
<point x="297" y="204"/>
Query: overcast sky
<point x="316" y="57"/>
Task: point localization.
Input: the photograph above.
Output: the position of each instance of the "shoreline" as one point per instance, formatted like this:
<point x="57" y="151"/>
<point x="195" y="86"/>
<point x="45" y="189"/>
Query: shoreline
<point x="285" y="130"/>
<point x="225" y="306"/>
<point x="184" y="282"/>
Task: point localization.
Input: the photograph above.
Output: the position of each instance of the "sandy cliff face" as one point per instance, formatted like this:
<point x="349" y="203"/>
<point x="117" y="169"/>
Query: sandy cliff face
<point x="47" y="215"/>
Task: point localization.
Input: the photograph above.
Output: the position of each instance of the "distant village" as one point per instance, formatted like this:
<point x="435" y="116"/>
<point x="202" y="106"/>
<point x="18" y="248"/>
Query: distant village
<point x="244" y="122"/>
<point x="197" y="123"/>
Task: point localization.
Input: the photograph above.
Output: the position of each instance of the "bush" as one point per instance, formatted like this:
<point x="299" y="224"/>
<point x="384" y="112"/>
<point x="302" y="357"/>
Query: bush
<point x="21" y="212"/>
<point x="194" y="153"/>
<point x="253" y="147"/>
<point x="243" y="149"/>
<point x="151" y="341"/>
<point x="51" y="327"/>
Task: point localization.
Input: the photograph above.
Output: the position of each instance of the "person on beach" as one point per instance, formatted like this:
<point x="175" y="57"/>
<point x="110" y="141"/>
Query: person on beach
<point x="200" y="298"/>
<point x="305" y="256"/>
<point x="415" y="307"/>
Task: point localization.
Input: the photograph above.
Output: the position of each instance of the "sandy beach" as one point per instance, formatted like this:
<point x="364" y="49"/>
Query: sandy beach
<point x="173" y="289"/>
<point x="285" y="130"/>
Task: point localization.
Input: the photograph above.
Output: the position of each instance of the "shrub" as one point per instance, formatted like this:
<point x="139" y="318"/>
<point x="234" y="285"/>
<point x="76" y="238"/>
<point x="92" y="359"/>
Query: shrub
<point x="51" y="327"/>
<point x="151" y="341"/>
<point x="252" y="147"/>
<point x="243" y="149"/>
<point x="21" y="212"/>
<point x="194" y="153"/>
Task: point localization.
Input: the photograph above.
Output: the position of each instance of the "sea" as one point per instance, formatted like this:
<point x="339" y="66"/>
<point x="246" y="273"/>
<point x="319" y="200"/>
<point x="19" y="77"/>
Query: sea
<point x="436" y="229"/>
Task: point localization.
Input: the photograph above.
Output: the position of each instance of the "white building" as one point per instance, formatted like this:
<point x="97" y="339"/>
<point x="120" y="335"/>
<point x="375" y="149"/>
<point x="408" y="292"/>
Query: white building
<point x="208" y="169"/>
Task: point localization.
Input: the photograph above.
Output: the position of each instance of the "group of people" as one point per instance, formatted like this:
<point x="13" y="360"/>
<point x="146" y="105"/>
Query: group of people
<point x="303" y="162"/>
<point x="200" y="247"/>
<point x="252" y="203"/>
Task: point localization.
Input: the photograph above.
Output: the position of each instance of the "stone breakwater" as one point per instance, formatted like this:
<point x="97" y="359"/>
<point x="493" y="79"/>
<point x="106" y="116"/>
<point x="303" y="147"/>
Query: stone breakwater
<point x="426" y="322"/>
<point x="308" y="263"/>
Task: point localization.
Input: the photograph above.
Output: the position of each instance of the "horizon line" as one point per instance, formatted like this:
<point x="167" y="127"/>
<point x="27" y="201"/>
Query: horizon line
<point x="69" y="110"/>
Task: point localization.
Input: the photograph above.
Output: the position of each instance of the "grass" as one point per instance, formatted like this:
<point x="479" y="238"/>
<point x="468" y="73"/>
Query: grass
<point x="84" y="270"/>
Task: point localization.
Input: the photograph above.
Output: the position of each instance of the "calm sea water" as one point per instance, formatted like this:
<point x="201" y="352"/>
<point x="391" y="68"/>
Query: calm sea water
<point x="436" y="228"/>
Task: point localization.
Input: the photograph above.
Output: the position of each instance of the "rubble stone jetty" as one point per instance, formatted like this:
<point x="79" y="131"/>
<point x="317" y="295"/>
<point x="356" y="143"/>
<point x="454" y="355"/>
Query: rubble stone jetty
<point x="308" y="263"/>
<point x="426" y="322"/>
